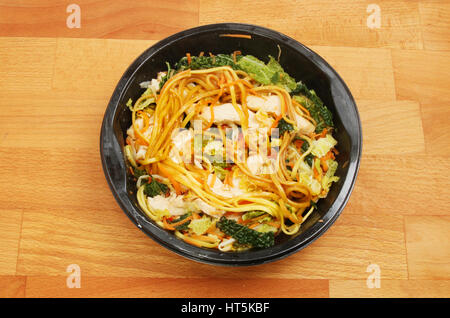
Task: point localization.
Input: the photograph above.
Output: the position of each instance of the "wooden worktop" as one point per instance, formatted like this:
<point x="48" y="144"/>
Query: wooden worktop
<point x="56" y="208"/>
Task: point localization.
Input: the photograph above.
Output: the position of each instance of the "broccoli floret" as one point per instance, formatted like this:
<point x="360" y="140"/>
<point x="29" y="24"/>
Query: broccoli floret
<point x="245" y="235"/>
<point x="284" y="126"/>
<point x="155" y="188"/>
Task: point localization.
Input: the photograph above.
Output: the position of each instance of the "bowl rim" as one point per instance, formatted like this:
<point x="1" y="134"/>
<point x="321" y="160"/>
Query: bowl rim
<point x="109" y="151"/>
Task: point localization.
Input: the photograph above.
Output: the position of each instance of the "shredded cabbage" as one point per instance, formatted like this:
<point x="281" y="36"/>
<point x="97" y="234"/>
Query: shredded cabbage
<point x="256" y="69"/>
<point x="270" y="73"/>
<point x="130" y="104"/>
<point x="145" y="103"/>
<point x="200" y="226"/>
<point x="161" y="213"/>
<point x="308" y="180"/>
<point x="323" y="145"/>
<point x="129" y="154"/>
<point x="280" y="77"/>
<point x="264" y="228"/>
<point x="252" y="214"/>
<point x="329" y="176"/>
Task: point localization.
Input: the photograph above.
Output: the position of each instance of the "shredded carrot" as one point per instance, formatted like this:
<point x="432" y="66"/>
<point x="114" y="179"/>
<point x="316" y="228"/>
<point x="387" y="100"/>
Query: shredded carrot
<point x="323" y="163"/>
<point x="234" y="55"/>
<point x="188" y="55"/>
<point x="298" y="143"/>
<point x="212" y="228"/>
<point x="322" y="134"/>
<point x="146" y="122"/>
<point x="301" y="107"/>
<point x="195" y="216"/>
<point x="275" y="123"/>
<point x="213" y="180"/>
<point x="172" y="226"/>
<point x="211" y="108"/>
<point x="317" y="175"/>
<point x="140" y="140"/>
<point x="199" y="179"/>
<point x="228" y="179"/>
<point x="225" y="181"/>
<point x="166" y="174"/>
<point x="214" y="231"/>
<point x="244" y="36"/>
<point x="213" y="57"/>
<point x="252" y="226"/>
<point x="328" y="155"/>
<point x="166" y="225"/>
<point x="323" y="160"/>
<point x="274" y="224"/>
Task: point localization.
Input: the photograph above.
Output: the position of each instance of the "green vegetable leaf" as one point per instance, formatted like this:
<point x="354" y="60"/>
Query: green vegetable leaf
<point x="138" y="172"/>
<point x="252" y="214"/>
<point x="329" y="176"/>
<point x="130" y="104"/>
<point x="264" y="228"/>
<point x="245" y="235"/>
<point x="200" y="226"/>
<point x="310" y="100"/>
<point x="257" y="69"/>
<point x="185" y="225"/>
<point x="281" y="78"/>
<point x="270" y="73"/>
<point x="309" y="158"/>
<point x="322" y="146"/>
<point x="166" y="77"/>
<point x="284" y="126"/>
<point x="155" y="188"/>
<point x="204" y="62"/>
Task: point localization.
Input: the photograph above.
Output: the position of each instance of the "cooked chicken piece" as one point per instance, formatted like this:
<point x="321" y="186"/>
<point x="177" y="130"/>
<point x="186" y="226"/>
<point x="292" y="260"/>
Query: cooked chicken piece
<point x="270" y="104"/>
<point x="305" y="126"/>
<point x="223" y="114"/>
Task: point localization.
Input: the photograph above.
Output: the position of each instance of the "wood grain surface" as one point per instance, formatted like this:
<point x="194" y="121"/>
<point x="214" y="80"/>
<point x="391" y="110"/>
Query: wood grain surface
<point x="56" y="208"/>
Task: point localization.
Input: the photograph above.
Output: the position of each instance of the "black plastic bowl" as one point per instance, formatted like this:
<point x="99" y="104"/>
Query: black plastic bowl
<point x="299" y="62"/>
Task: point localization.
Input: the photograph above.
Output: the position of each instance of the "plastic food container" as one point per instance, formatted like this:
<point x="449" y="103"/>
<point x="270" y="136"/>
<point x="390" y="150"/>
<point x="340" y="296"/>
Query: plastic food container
<point x="299" y="62"/>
